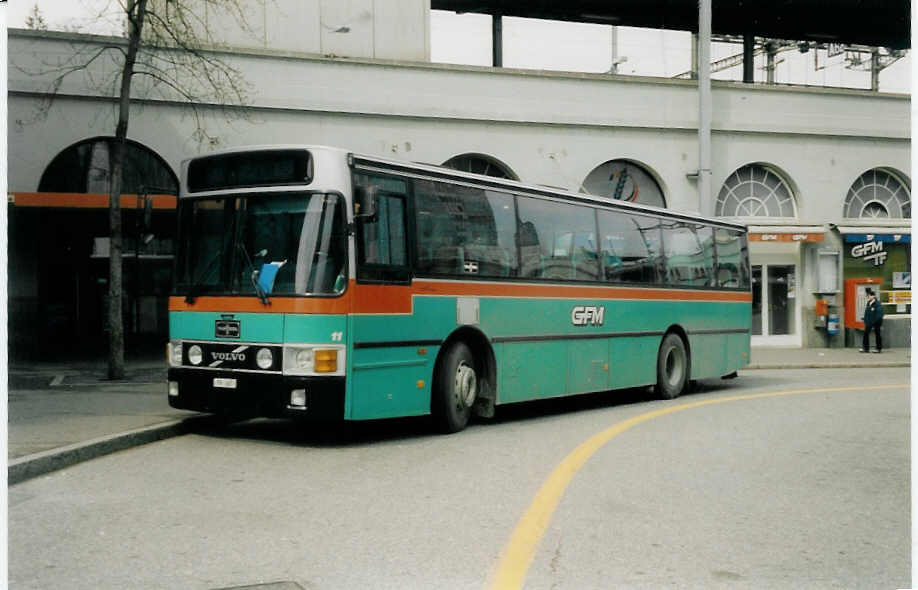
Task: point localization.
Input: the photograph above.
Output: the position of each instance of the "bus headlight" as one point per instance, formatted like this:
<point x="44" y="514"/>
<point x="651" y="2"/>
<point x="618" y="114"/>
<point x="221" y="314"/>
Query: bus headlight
<point x="312" y="359"/>
<point x="195" y="354"/>
<point x="264" y="358"/>
<point x="304" y="359"/>
<point x="174" y="351"/>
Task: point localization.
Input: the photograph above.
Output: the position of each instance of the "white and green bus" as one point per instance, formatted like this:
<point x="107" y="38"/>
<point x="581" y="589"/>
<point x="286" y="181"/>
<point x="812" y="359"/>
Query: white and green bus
<point x="315" y="282"/>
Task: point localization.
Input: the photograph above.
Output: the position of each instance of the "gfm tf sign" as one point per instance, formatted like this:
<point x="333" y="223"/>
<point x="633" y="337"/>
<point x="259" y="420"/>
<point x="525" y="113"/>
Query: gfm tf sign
<point x="588" y="315"/>
<point x="870" y="252"/>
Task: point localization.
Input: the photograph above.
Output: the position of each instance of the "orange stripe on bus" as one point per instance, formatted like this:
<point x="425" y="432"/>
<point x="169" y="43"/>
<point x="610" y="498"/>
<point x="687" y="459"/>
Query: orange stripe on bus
<point x="318" y="305"/>
<point x="398" y="299"/>
<point x="85" y="200"/>
<point x="574" y="291"/>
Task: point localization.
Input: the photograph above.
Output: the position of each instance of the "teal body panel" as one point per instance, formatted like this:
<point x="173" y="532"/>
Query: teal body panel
<point x="396" y="380"/>
<point x="266" y="328"/>
<point x="315" y="329"/>
<point x="539" y="351"/>
<point x="561" y="359"/>
<point x="390" y="382"/>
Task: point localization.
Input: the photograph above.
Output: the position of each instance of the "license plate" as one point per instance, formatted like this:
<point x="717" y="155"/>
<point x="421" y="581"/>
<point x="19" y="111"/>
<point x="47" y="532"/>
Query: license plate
<point x="224" y="383"/>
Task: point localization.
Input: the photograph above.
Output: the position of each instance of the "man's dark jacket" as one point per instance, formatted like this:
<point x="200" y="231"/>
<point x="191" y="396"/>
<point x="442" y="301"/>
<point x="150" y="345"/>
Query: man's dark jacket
<point x="873" y="314"/>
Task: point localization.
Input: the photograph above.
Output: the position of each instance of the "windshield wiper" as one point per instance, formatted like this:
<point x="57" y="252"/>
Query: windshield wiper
<point x="262" y="296"/>
<point x="197" y="285"/>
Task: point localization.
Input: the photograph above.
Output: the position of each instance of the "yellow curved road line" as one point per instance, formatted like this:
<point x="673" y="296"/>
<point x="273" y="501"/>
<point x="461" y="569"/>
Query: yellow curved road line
<point x="520" y="551"/>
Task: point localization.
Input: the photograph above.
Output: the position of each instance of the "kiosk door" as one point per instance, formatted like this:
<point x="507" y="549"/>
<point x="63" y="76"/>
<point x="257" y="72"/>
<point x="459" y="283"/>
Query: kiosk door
<point x="774" y="304"/>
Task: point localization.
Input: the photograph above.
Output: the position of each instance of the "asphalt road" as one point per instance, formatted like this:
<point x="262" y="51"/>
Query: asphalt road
<point x="714" y="489"/>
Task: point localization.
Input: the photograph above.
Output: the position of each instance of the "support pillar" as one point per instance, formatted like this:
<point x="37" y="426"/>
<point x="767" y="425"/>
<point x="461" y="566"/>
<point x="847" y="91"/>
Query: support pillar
<point x="497" y="40"/>
<point x="875" y="69"/>
<point x="748" y="58"/>
<point x="771" y="50"/>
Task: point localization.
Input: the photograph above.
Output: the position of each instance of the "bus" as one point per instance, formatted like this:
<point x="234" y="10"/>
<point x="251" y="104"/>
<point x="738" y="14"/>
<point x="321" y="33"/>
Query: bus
<point x="318" y="283"/>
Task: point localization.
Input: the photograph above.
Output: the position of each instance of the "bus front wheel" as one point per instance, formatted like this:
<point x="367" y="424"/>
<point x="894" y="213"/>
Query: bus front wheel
<point x="672" y="367"/>
<point x="456" y="388"/>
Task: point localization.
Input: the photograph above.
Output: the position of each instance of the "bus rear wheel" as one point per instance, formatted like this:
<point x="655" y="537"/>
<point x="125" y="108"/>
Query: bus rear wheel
<point x="672" y="367"/>
<point x="455" y="388"/>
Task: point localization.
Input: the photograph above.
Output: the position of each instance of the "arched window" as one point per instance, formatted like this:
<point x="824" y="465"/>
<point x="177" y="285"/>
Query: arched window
<point x="878" y="194"/>
<point x="755" y="191"/>
<point x="85" y="167"/>
<point x="625" y="181"/>
<point x="480" y="164"/>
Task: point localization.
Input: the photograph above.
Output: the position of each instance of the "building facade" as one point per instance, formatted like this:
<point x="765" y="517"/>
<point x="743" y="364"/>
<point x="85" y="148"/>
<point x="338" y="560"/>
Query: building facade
<point x="820" y="176"/>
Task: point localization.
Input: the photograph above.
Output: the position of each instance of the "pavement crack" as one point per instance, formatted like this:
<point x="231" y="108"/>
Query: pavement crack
<point x="556" y="559"/>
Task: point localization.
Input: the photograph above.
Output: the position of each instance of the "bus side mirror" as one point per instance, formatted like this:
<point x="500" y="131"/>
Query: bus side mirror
<point x="365" y="202"/>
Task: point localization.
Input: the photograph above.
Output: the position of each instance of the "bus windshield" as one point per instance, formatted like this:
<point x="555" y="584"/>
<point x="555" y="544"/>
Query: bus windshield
<point x="288" y="244"/>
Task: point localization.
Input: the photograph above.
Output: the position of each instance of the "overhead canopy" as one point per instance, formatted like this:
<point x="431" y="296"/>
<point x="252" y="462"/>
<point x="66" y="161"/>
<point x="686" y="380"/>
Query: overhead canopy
<point x="878" y="23"/>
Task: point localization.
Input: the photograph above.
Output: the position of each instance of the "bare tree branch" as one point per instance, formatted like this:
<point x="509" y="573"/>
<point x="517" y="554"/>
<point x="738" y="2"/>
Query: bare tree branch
<point x="169" y="43"/>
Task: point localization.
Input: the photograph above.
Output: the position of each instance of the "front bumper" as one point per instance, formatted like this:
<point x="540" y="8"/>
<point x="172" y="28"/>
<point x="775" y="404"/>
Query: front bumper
<point x="257" y="394"/>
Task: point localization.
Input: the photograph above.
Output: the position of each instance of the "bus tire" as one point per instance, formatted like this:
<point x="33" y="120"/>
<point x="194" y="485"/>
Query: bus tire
<point x="672" y="367"/>
<point x="455" y="388"/>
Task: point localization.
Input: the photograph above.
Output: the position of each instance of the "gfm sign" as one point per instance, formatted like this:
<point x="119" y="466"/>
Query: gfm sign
<point x="870" y="252"/>
<point x="588" y="315"/>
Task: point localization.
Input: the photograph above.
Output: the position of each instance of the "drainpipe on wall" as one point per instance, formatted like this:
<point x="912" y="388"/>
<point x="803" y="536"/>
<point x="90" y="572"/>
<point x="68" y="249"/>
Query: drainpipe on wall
<point x="705" y="206"/>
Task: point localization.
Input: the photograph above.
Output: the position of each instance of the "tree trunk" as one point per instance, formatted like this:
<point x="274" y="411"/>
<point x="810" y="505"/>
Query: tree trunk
<point x="136" y="11"/>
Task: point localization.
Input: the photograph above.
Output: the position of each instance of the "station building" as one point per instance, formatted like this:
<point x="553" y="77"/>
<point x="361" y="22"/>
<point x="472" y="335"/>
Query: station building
<point x="821" y="176"/>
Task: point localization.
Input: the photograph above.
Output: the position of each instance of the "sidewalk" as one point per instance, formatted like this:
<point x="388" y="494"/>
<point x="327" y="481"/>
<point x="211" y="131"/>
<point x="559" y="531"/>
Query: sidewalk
<point x="826" y="358"/>
<point x="64" y="413"/>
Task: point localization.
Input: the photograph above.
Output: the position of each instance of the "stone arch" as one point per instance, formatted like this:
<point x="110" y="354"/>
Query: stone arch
<point x="85" y="167"/>
<point x="625" y="180"/>
<point x="756" y="190"/>
<point x="481" y="164"/>
<point x="879" y="193"/>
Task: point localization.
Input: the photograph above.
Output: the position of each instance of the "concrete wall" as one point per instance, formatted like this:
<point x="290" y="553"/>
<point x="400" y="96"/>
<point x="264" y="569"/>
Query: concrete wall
<point x="385" y="29"/>
<point x="550" y="128"/>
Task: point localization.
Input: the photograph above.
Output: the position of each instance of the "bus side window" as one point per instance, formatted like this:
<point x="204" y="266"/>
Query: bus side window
<point x="383" y="236"/>
<point x="557" y="240"/>
<point x="382" y="252"/>
<point x="464" y="231"/>
<point x="530" y="250"/>
<point x="689" y="255"/>
<point x="630" y="247"/>
<point x="708" y="255"/>
<point x="731" y="263"/>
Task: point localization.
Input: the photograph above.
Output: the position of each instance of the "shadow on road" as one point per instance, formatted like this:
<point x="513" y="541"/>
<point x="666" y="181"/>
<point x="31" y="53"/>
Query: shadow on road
<point x="340" y="434"/>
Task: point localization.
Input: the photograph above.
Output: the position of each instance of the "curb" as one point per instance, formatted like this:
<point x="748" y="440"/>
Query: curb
<point x="30" y="466"/>
<point x="824" y="365"/>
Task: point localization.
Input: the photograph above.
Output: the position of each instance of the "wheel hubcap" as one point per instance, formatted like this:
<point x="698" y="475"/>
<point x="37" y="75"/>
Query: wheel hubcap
<point x="466" y="385"/>
<point x="675" y="366"/>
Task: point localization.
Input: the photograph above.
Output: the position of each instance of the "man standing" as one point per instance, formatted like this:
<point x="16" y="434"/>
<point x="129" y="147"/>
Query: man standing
<point x="873" y="319"/>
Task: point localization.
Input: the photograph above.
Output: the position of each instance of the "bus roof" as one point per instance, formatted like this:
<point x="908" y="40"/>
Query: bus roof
<point x="435" y="171"/>
<point x="493" y="181"/>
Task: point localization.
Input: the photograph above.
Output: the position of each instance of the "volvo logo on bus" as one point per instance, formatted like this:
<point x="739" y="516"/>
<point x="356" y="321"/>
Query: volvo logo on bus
<point x="588" y="315"/>
<point x="228" y="356"/>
